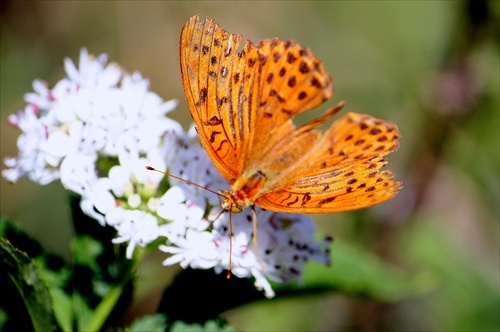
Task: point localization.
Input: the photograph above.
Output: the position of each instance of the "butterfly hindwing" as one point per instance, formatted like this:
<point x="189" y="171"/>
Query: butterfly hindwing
<point x="344" y="171"/>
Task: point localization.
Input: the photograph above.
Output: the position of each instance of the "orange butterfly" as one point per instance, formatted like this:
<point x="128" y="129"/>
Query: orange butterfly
<point x="243" y="105"/>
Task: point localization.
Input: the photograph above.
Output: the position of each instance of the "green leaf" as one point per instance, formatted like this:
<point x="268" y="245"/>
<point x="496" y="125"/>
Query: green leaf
<point x="3" y="319"/>
<point x="52" y="269"/>
<point x="197" y="296"/>
<point x="151" y="323"/>
<point x="26" y="278"/>
<point x="360" y="273"/>
<point x="83" y="312"/>
<point x="158" y="323"/>
<point x="63" y="308"/>
<point x="86" y="250"/>
<point x="96" y="320"/>
<point x="472" y="290"/>
<point x="211" y="325"/>
<point x="56" y="278"/>
<point x="103" y="276"/>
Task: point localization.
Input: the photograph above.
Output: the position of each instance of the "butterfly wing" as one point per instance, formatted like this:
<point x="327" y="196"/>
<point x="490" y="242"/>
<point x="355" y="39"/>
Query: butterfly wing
<point x="212" y="75"/>
<point x="293" y="81"/>
<point x="343" y="170"/>
<point x="243" y="103"/>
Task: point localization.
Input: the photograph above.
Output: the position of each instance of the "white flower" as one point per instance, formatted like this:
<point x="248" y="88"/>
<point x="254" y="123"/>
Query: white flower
<point x="42" y="98"/>
<point x="97" y="200"/>
<point x="196" y="249"/>
<point x="31" y="161"/>
<point x="192" y="163"/>
<point x="285" y="243"/>
<point x="92" y="111"/>
<point x="92" y="71"/>
<point x="135" y="227"/>
<point x="99" y="127"/>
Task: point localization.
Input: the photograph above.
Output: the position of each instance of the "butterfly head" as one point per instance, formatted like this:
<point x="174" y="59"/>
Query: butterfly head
<point x="230" y="202"/>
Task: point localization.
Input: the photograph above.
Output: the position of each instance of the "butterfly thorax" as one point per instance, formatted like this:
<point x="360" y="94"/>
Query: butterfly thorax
<point x="243" y="192"/>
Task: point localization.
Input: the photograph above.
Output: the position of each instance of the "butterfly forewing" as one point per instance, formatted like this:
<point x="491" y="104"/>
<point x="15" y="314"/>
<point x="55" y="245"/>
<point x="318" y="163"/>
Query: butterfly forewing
<point x="292" y="81"/>
<point x="243" y="102"/>
<point x="208" y="65"/>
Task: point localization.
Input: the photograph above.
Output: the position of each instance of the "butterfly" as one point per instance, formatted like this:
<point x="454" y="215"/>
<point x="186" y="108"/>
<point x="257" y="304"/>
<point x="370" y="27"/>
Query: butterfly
<point x="243" y="104"/>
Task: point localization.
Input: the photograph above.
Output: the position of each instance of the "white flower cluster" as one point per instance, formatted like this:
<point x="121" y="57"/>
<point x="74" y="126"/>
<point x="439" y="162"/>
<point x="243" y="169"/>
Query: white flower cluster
<point x="99" y="127"/>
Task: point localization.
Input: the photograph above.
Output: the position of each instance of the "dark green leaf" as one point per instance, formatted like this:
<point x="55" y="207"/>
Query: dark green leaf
<point x="209" y="326"/>
<point x="24" y="275"/>
<point x="153" y="323"/>
<point x="86" y="250"/>
<point x="103" y="276"/>
<point x="197" y="296"/>
<point x="103" y="310"/>
<point x="360" y="273"/>
<point x="63" y="308"/>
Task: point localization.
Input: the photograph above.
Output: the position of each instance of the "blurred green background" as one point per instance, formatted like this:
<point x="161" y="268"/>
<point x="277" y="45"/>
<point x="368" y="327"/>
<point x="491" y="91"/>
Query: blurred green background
<point x="432" y="67"/>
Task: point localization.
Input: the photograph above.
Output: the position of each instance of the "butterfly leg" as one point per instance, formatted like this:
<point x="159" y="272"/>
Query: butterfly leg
<point x="211" y="226"/>
<point x="230" y="244"/>
<point x="254" y="217"/>
<point x="258" y="256"/>
<point x="254" y="220"/>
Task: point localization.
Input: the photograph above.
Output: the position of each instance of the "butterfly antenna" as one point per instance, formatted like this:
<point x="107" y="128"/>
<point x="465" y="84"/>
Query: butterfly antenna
<point x="184" y="180"/>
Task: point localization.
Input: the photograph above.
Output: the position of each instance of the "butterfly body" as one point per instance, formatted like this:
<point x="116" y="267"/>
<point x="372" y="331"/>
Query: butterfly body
<point x="243" y="105"/>
<point x="243" y="192"/>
